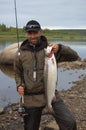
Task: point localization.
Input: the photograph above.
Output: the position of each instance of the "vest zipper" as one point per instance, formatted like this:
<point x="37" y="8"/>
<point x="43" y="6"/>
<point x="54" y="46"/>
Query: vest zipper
<point x="35" y="66"/>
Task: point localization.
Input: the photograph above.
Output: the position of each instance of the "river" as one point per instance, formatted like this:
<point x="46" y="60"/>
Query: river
<point x="8" y="93"/>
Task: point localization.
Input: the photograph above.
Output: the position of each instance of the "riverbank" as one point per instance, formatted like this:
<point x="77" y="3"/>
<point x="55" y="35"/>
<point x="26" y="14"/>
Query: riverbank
<point x="75" y="98"/>
<point x="52" y="35"/>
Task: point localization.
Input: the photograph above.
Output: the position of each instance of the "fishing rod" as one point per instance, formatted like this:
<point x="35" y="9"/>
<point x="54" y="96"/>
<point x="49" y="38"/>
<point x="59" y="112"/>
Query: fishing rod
<point x="17" y="26"/>
<point x="21" y="109"/>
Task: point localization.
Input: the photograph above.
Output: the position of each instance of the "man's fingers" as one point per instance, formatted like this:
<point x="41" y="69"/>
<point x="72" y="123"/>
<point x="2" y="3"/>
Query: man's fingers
<point x="55" y="47"/>
<point x="52" y="44"/>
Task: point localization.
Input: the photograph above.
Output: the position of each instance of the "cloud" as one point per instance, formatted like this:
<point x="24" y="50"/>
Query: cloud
<point x="52" y="13"/>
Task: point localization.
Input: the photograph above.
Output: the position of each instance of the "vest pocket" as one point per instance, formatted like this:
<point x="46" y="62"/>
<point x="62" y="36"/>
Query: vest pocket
<point x="28" y="74"/>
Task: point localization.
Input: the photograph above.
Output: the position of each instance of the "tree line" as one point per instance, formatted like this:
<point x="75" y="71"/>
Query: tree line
<point x="4" y="28"/>
<point x="81" y="32"/>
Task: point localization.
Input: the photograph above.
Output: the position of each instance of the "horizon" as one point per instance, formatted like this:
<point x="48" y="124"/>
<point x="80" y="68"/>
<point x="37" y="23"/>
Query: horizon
<point x="50" y="28"/>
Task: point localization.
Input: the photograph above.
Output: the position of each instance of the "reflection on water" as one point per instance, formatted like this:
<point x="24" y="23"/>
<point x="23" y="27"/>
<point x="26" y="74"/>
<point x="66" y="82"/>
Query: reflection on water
<point x="67" y="77"/>
<point x="8" y="91"/>
<point x="8" y="70"/>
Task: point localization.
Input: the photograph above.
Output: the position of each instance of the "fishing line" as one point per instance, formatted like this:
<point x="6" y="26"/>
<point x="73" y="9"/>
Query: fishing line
<point x="21" y="109"/>
<point x="17" y="26"/>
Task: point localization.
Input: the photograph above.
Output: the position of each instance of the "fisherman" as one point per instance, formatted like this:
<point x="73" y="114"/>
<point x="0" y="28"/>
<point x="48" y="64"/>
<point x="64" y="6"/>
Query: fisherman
<point x="29" y="69"/>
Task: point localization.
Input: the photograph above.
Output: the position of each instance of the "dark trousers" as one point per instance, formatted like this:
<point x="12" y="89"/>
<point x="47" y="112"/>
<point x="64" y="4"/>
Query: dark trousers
<point x="32" y="119"/>
<point x="62" y="115"/>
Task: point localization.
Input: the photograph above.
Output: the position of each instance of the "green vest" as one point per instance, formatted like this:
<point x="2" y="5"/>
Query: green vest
<point x="28" y="59"/>
<point x="34" y="90"/>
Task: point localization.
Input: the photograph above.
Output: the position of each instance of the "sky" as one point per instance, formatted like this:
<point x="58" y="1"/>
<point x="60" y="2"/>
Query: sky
<point x="53" y="14"/>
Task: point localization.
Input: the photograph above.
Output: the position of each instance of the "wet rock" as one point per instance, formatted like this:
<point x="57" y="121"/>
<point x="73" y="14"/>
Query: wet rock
<point x="2" y="111"/>
<point x="8" y="54"/>
<point x="52" y="126"/>
<point x="74" y="64"/>
<point x="84" y="59"/>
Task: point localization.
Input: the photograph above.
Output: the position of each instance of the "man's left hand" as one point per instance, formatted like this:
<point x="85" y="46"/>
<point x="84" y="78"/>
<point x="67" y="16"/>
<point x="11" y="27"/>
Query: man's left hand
<point x="55" y="47"/>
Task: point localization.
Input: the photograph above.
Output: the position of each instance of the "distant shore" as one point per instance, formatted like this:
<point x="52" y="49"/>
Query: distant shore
<point x="52" y="35"/>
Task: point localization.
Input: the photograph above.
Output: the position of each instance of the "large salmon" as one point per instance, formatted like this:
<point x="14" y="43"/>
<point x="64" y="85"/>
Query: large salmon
<point x="50" y="75"/>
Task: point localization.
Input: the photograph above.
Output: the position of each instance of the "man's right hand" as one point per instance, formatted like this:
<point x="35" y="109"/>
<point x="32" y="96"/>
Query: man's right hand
<point x="21" y="90"/>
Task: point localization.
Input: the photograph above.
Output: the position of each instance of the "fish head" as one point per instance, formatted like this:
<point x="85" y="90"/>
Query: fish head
<point x="48" y="51"/>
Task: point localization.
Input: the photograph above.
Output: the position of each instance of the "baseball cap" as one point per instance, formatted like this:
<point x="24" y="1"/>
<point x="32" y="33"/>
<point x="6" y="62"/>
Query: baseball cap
<point x="32" y="25"/>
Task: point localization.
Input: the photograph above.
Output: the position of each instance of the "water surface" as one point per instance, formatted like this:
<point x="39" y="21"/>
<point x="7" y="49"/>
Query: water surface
<point x="8" y="93"/>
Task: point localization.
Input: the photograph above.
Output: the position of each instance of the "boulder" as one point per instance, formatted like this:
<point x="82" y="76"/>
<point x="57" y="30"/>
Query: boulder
<point x="7" y="55"/>
<point x="51" y="126"/>
<point x="2" y="110"/>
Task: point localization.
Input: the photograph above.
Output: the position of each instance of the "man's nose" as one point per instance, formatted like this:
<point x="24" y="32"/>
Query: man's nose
<point x="32" y="36"/>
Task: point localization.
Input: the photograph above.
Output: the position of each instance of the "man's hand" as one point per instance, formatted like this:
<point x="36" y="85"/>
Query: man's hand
<point x="55" y="47"/>
<point x="21" y="90"/>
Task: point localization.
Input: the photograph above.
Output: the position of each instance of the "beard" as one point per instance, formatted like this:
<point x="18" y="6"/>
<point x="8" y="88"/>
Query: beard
<point x="34" y="41"/>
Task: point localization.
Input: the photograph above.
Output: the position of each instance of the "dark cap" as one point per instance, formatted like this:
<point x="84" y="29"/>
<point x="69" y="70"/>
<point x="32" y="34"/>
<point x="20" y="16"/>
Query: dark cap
<point x="32" y="26"/>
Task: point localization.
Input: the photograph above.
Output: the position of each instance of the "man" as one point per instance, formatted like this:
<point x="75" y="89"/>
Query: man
<point x="31" y="60"/>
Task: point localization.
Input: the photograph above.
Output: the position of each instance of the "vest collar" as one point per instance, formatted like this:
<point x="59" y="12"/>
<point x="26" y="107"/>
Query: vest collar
<point x="41" y="44"/>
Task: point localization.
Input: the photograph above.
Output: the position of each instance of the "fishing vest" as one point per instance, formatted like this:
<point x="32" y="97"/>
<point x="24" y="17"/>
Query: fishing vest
<point x="33" y="62"/>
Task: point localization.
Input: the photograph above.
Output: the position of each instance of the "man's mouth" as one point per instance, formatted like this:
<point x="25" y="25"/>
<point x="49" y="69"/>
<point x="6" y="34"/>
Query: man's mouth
<point x="34" y="40"/>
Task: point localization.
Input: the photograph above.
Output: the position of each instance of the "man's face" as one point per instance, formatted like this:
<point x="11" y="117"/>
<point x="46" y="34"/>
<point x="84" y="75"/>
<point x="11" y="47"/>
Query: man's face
<point x="33" y="37"/>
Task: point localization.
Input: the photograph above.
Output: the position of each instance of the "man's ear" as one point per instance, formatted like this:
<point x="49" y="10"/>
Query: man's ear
<point x="40" y="32"/>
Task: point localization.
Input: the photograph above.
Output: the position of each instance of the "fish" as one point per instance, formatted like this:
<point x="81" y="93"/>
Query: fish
<point x="50" y="76"/>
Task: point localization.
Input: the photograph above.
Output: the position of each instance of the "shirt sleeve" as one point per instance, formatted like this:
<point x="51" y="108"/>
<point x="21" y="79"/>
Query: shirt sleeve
<point x="18" y="69"/>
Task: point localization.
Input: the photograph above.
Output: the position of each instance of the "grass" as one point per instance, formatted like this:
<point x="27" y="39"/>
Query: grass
<point x="58" y="35"/>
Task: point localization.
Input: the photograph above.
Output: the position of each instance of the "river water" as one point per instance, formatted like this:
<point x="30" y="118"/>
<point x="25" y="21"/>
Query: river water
<point x="8" y="93"/>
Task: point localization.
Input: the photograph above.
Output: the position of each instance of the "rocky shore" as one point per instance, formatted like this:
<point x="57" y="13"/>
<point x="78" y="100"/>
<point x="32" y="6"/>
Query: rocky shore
<point x="75" y="98"/>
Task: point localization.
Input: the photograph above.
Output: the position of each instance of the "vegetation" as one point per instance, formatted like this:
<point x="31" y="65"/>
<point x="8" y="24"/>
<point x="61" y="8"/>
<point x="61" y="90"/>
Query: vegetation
<point x="66" y="35"/>
<point x="9" y="33"/>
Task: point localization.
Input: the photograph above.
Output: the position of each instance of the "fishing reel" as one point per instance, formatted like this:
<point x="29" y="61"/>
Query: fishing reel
<point x="21" y="109"/>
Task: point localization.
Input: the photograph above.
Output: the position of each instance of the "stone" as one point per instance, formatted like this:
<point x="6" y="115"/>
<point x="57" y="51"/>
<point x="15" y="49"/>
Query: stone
<point x="8" y="54"/>
<point x="2" y="110"/>
<point x="51" y="126"/>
